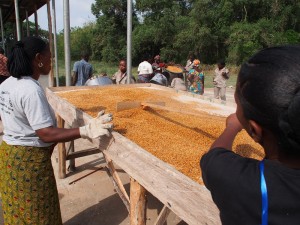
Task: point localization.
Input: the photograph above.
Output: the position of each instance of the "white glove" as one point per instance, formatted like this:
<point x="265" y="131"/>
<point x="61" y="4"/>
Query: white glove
<point x="97" y="127"/>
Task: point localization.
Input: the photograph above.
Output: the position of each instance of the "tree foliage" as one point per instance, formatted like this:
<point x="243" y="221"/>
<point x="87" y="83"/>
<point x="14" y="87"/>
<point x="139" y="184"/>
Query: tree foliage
<point x="10" y="31"/>
<point x="212" y="29"/>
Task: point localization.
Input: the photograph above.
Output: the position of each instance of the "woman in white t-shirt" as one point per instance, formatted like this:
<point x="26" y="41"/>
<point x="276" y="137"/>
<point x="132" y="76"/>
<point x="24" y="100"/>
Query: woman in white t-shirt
<point x="28" y="188"/>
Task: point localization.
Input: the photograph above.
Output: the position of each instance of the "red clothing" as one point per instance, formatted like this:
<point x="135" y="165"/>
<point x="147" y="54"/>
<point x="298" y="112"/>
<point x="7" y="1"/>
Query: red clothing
<point x="3" y="66"/>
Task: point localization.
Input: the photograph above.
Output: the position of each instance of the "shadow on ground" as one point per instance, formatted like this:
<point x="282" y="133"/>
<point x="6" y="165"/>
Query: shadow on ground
<point x="112" y="211"/>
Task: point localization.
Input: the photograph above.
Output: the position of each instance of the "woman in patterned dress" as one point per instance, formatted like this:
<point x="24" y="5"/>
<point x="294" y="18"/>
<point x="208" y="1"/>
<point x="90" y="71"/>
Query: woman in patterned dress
<point x="27" y="183"/>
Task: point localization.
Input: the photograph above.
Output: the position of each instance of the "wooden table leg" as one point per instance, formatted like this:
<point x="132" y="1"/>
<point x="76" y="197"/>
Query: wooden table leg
<point x="137" y="203"/>
<point x="61" y="152"/>
<point x="71" y="149"/>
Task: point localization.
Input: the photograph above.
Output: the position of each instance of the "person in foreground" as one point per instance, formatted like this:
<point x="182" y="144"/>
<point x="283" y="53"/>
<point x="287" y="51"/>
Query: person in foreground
<point x="28" y="188"/>
<point x="248" y="191"/>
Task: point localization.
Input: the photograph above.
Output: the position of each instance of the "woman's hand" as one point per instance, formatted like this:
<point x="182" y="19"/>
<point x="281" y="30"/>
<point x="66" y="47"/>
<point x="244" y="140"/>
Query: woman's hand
<point x="225" y="140"/>
<point x="232" y="122"/>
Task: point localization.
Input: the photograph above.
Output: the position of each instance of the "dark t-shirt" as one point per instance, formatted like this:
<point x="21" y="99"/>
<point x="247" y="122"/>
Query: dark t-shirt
<point x="234" y="183"/>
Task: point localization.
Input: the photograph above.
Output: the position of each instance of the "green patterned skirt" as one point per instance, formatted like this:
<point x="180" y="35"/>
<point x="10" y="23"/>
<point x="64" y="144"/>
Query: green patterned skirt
<point x="28" y="188"/>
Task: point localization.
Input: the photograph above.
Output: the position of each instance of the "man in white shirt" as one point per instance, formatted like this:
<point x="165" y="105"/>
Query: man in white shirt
<point x="145" y="71"/>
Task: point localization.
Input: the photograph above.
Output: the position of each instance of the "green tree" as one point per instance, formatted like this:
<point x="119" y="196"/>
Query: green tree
<point x="160" y="21"/>
<point x="10" y="33"/>
<point x="109" y="41"/>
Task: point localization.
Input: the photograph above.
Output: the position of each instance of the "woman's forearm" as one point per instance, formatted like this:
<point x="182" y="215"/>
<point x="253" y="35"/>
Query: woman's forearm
<point x="53" y="134"/>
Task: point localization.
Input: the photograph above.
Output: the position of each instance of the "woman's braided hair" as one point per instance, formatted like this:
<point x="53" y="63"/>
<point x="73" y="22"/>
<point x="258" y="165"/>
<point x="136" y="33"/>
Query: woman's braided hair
<point x="22" y="55"/>
<point x="268" y="89"/>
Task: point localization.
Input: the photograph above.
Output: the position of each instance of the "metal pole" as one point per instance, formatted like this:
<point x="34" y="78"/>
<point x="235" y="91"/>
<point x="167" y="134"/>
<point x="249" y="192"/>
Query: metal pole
<point x="18" y="20"/>
<point x="55" y="42"/>
<point x="51" y="77"/>
<point x="2" y="29"/>
<point x="67" y="42"/>
<point x="27" y="24"/>
<point x="129" y="39"/>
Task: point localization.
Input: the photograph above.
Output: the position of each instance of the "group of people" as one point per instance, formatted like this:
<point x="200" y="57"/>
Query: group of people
<point x="157" y="74"/>
<point x="246" y="190"/>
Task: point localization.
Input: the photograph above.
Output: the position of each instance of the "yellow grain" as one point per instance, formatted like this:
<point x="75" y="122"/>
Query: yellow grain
<point x="177" y="139"/>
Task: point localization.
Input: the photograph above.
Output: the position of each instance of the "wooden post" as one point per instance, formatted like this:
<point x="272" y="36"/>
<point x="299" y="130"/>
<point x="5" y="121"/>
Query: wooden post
<point x="36" y="21"/>
<point x="61" y="152"/>
<point x="71" y="161"/>
<point x="163" y="215"/>
<point x="137" y="203"/>
<point x="27" y="25"/>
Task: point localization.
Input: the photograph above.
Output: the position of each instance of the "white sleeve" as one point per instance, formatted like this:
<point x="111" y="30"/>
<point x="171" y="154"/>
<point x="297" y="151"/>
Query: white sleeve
<point x="150" y="69"/>
<point x="173" y="83"/>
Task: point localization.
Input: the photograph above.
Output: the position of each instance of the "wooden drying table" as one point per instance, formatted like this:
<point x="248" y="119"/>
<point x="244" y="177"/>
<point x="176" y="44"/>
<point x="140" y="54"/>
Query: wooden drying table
<point x="187" y="199"/>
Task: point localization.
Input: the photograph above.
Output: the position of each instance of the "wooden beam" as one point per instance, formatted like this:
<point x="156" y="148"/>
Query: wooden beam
<point x="117" y="182"/>
<point x="137" y="203"/>
<point x="163" y="215"/>
<point x="36" y="23"/>
<point x="82" y="153"/>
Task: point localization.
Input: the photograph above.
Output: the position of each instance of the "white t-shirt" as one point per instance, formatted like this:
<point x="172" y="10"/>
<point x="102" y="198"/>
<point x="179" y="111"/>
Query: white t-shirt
<point x="145" y="68"/>
<point x="219" y="79"/>
<point x="24" y="109"/>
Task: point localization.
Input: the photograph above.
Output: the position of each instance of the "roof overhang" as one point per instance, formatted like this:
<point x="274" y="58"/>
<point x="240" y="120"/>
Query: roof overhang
<point x="8" y="8"/>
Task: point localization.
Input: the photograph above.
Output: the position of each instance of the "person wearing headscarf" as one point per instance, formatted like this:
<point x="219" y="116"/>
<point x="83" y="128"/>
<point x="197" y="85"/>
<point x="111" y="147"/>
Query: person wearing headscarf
<point x="196" y="78"/>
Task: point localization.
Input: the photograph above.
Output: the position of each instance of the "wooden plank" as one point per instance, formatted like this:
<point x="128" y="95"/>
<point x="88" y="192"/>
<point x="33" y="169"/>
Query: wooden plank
<point x="82" y="153"/>
<point x="163" y="215"/>
<point x="137" y="203"/>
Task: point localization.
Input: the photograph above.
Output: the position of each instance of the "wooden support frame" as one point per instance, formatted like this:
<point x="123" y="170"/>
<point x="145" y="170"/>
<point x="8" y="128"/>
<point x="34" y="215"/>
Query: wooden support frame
<point x="162" y="217"/>
<point x="137" y="203"/>
<point x="187" y="199"/>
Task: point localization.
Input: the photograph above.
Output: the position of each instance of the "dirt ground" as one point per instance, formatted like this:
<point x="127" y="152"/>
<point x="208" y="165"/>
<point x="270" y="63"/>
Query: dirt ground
<point x="87" y="195"/>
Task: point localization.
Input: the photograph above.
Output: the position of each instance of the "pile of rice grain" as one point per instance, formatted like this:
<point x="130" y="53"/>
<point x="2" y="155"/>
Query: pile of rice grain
<point x="177" y="139"/>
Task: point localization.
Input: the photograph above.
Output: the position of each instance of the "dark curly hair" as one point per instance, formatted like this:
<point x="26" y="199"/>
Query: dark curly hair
<point x="268" y="88"/>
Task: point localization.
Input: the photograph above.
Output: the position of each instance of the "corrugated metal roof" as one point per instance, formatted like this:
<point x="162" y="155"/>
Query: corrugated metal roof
<point x="8" y="8"/>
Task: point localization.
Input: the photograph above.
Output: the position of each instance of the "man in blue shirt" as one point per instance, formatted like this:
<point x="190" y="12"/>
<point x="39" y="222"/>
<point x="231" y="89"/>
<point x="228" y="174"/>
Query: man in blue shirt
<point x="82" y="70"/>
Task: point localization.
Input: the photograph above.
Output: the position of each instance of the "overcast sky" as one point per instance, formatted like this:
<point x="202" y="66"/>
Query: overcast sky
<point x="80" y="13"/>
